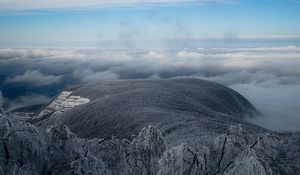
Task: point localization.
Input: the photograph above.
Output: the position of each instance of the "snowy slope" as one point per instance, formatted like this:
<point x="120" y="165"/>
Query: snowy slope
<point x="185" y="110"/>
<point x="62" y="103"/>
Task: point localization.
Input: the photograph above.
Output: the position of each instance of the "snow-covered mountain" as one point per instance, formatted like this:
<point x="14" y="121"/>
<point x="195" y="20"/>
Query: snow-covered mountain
<point x="185" y="110"/>
<point x="161" y="127"/>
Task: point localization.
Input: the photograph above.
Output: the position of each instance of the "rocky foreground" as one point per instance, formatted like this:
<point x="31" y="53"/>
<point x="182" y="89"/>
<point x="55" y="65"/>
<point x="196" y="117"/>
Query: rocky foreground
<point x="28" y="150"/>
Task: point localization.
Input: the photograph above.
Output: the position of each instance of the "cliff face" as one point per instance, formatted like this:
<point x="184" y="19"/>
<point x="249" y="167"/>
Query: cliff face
<point x="28" y="150"/>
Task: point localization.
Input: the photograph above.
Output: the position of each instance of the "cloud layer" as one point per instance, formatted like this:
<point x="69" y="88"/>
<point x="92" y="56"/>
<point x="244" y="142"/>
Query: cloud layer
<point x="268" y="76"/>
<point x="34" y="78"/>
<point x="29" y="100"/>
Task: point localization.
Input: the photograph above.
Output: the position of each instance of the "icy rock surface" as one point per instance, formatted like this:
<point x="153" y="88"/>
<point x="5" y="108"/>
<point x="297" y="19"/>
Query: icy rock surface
<point x="28" y="150"/>
<point x="62" y="103"/>
<point x="248" y="163"/>
<point x="183" y="160"/>
<point x="144" y="152"/>
<point x="228" y="146"/>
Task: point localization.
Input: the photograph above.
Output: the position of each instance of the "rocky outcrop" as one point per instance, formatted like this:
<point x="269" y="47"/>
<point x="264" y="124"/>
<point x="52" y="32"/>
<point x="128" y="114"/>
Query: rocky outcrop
<point x="144" y="153"/>
<point x="248" y="163"/>
<point x="183" y="160"/>
<point x="228" y="146"/>
<point x="28" y="150"/>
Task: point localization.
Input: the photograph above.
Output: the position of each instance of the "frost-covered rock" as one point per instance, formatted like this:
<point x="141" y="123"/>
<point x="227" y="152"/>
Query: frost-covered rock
<point x="150" y="139"/>
<point x="62" y="103"/>
<point x="25" y="149"/>
<point x="28" y="150"/>
<point x="265" y="153"/>
<point x="22" y="149"/>
<point x="144" y="152"/>
<point x="280" y="150"/>
<point x="228" y="146"/>
<point x="248" y="163"/>
<point x="182" y="160"/>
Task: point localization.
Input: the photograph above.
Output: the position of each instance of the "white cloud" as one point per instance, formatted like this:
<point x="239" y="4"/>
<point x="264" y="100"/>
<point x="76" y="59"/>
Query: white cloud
<point x="88" y="75"/>
<point x="25" y="53"/>
<point x="278" y="104"/>
<point x="156" y="55"/>
<point x="189" y="54"/>
<point x="28" y="100"/>
<point x="35" y="78"/>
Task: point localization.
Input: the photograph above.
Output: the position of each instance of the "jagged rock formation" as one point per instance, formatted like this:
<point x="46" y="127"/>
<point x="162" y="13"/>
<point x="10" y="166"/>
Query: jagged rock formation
<point x="185" y="110"/>
<point x="145" y="151"/>
<point x="248" y="163"/>
<point x="184" y="160"/>
<point x="28" y="150"/>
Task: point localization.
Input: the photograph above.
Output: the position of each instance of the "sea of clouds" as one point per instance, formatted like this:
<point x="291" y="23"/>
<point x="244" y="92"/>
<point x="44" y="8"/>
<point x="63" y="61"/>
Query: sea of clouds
<point x="268" y="76"/>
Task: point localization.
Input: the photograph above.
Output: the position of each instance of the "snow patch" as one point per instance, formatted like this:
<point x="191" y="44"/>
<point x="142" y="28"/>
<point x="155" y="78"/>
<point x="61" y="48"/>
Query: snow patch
<point x="64" y="102"/>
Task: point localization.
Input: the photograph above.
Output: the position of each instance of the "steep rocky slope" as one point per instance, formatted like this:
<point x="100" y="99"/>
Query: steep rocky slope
<point x="185" y="110"/>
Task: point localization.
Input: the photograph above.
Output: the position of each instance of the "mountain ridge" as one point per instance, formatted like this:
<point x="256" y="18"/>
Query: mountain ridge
<point x="178" y="107"/>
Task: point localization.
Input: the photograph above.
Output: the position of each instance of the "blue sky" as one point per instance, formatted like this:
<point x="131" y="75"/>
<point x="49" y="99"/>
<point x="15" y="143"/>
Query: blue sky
<point x="93" y="23"/>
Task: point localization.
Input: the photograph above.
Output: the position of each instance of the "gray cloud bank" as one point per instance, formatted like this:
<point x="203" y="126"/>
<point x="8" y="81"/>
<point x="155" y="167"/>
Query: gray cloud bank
<point x="28" y="100"/>
<point x="34" y="78"/>
<point x="268" y="76"/>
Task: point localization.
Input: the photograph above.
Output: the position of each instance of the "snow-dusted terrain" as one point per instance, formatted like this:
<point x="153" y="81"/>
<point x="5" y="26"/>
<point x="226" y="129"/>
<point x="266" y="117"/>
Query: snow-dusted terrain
<point x="185" y="110"/>
<point x="62" y="103"/>
<point x="219" y="142"/>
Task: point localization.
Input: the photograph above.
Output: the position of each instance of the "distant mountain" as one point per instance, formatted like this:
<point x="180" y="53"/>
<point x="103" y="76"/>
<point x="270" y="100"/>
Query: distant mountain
<point x="185" y="110"/>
